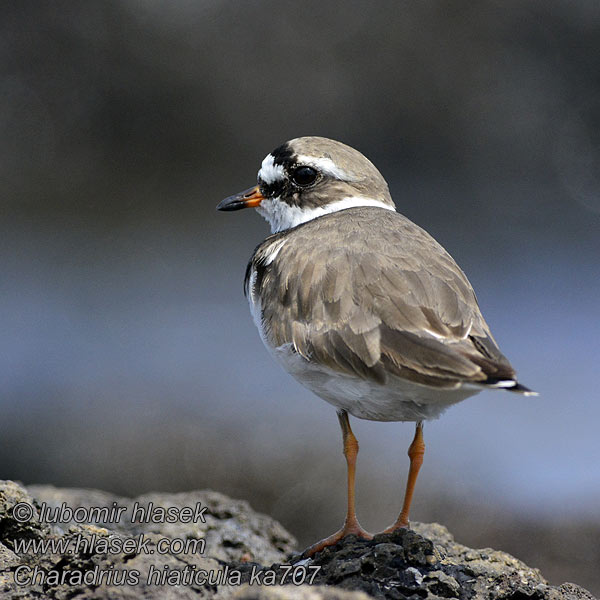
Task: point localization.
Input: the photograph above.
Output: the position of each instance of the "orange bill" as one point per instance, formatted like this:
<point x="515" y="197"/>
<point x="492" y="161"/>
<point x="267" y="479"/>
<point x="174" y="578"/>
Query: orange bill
<point x="250" y="198"/>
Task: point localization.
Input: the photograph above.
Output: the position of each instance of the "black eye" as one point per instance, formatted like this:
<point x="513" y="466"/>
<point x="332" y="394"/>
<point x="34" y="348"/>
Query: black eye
<point x="304" y="176"/>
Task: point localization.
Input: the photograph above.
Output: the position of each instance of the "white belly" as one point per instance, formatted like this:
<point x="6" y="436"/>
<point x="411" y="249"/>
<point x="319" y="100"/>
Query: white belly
<point x="397" y="400"/>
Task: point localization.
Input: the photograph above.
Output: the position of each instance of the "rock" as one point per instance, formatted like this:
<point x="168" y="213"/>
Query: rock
<point x="427" y="563"/>
<point x="205" y="545"/>
<point x="313" y="592"/>
<point x="226" y="531"/>
<point x="232" y="530"/>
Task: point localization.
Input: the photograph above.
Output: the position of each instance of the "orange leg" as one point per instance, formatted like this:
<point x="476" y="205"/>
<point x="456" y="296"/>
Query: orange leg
<point x="415" y="453"/>
<point x="351" y="524"/>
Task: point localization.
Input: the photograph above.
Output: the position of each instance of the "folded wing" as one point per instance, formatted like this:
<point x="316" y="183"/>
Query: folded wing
<point x="373" y="295"/>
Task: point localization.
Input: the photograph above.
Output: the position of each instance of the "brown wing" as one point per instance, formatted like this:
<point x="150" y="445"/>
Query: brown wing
<point x="369" y="293"/>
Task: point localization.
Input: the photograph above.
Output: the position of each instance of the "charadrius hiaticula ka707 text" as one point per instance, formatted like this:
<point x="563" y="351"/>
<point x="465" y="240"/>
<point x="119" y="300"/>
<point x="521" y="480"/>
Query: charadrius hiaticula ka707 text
<point x="361" y="305"/>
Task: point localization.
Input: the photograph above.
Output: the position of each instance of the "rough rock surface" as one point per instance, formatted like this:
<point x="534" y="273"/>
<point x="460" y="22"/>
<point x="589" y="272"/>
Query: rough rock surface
<point x="238" y="554"/>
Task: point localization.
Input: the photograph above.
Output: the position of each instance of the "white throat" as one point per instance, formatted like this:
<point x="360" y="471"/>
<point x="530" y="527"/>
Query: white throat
<point x="282" y="216"/>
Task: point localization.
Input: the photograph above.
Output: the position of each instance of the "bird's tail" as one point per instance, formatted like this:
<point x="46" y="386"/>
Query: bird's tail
<point x="510" y="385"/>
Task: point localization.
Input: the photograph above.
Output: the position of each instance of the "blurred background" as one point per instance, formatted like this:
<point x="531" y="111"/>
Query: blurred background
<point x="128" y="359"/>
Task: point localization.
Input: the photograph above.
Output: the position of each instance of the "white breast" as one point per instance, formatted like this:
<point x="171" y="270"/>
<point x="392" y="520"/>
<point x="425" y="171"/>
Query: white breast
<point x="255" y="307"/>
<point x="253" y="298"/>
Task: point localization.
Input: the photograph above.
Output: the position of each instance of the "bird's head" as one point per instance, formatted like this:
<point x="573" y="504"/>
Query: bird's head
<point x="308" y="177"/>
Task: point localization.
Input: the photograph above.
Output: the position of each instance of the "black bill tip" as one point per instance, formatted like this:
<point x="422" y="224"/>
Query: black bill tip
<point x="231" y="203"/>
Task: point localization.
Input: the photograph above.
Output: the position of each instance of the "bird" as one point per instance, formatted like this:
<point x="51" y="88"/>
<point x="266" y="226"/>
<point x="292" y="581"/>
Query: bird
<point x="361" y="305"/>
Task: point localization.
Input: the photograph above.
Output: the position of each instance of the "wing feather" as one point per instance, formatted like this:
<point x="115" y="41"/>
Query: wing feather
<point x="371" y="294"/>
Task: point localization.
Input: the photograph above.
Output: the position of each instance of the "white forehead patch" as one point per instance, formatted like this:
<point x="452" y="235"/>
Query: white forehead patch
<point x="270" y="172"/>
<point x="326" y="166"/>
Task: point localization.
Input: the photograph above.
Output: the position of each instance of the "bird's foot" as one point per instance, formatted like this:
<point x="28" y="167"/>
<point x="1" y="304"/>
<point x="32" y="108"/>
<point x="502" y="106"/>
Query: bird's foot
<point x="400" y="524"/>
<point x="346" y="530"/>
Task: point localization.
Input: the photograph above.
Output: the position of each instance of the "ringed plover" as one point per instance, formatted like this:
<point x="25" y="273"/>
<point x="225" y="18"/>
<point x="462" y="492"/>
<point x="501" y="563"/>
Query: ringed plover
<point x="359" y="304"/>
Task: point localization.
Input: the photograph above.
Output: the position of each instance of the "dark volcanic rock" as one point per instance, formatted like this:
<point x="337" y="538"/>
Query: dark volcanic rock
<point x="230" y="529"/>
<point x="427" y="563"/>
<point x="424" y="563"/>
<point x="229" y="545"/>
